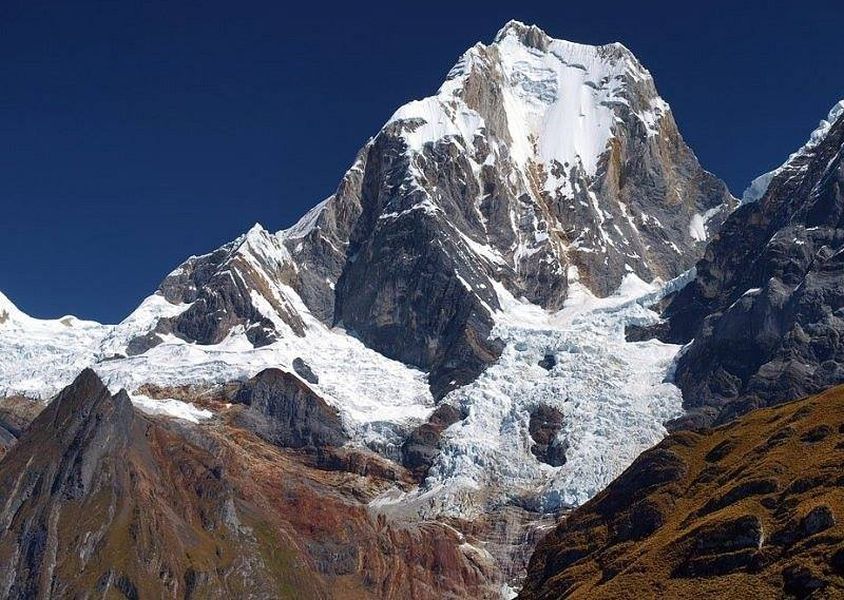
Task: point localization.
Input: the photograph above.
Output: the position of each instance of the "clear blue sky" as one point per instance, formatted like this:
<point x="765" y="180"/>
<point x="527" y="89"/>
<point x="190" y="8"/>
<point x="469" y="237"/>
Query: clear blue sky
<point x="133" y="134"/>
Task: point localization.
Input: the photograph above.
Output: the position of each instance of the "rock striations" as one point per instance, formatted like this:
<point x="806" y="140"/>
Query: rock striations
<point x="97" y="499"/>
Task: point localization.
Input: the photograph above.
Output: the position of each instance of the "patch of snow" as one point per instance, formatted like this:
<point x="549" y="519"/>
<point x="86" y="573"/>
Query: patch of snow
<point x="170" y="408"/>
<point x="307" y="223"/>
<point x="697" y="228"/>
<point x="433" y="118"/>
<point x="759" y="186"/>
<point x="40" y="356"/>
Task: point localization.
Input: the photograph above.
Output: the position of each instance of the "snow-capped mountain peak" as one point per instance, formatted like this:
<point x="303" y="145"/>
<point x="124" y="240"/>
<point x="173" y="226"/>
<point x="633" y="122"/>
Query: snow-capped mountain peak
<point x="543" y="175"/>
<point x="560" y="100"/>
<point x="529" y="35"/>
<point x="536" y="158"/>
<point x="759" y="185"/>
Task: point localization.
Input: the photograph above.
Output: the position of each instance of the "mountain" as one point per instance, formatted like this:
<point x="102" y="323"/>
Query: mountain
<point x="100" y="499"/>
<point x="450" y="321"/>
<point x="534" y="156"/>
<point x="764" y="313"/>
<point x="748" y="510"/>
<point x="505" y="222"/>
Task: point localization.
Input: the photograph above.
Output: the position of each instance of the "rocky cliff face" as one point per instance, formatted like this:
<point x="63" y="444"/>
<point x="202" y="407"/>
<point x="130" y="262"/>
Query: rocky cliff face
<point x="240" y="285"/>
<point x="98" y="499"/>
<point x="749" y="510"/>
<point x="285" y="411"/>
<point x="765" y="309"/>
<point x="535" y="156"/>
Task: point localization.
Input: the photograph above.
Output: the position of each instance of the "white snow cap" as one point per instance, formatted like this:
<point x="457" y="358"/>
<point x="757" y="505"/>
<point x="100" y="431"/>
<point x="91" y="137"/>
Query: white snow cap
<point x="11" y="315"/>
<point x="759" y="186"/>
<point x="560" y="98"/>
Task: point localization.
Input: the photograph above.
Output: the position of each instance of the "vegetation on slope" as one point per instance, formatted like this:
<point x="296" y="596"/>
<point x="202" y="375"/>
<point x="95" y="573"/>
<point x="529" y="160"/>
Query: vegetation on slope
<point x="751" y="509"/>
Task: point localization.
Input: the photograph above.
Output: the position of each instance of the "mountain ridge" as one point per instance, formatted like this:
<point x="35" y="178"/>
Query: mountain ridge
<point x="761" y="314"/>
<point x="473" y="186"/>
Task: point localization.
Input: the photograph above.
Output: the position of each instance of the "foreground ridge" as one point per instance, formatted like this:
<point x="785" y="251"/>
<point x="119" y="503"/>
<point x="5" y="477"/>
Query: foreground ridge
<point x="99" y="498"/>
<point x="748" y="510"/>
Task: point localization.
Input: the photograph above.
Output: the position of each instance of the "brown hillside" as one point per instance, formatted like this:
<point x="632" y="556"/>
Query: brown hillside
<point x="99" y="500"/>
<point x="752" y="509"/>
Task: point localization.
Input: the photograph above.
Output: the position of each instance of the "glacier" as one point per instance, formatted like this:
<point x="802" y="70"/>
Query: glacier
<point x="612" y="393"/>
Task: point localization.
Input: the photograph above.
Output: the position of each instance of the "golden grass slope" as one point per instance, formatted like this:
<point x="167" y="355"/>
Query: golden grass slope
<point x="752" y="509"/>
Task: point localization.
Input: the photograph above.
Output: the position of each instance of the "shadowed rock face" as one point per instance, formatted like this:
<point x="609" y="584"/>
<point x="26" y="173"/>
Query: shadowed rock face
<point x="401" y="291"/>
<point x="99" y="499"/>
<point x="751" y="509"/>
<point x="285" y="411"/>
<point x="67" y="455"/>
<point x="766" y="309"/>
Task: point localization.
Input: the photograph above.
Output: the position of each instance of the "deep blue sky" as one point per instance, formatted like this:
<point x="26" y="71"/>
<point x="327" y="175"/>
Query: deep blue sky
<point x="133" y="134"/>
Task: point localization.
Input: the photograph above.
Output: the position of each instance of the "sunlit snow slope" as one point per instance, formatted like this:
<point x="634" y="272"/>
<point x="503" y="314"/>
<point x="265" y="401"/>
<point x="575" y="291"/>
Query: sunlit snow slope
<point x="378" y="397"/>
<point x="611" y="392"/>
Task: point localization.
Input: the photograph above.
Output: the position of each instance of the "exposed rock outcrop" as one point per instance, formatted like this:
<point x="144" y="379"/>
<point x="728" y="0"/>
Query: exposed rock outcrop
<point x="285" y="411"/>
<point x="16" y="413"/>
<point x="422" y="446"/>
<point x="304" y="371"/>
<point x="545" y="423"/>
<point x="766" y="308"/>
<point x="7" y="440"/>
